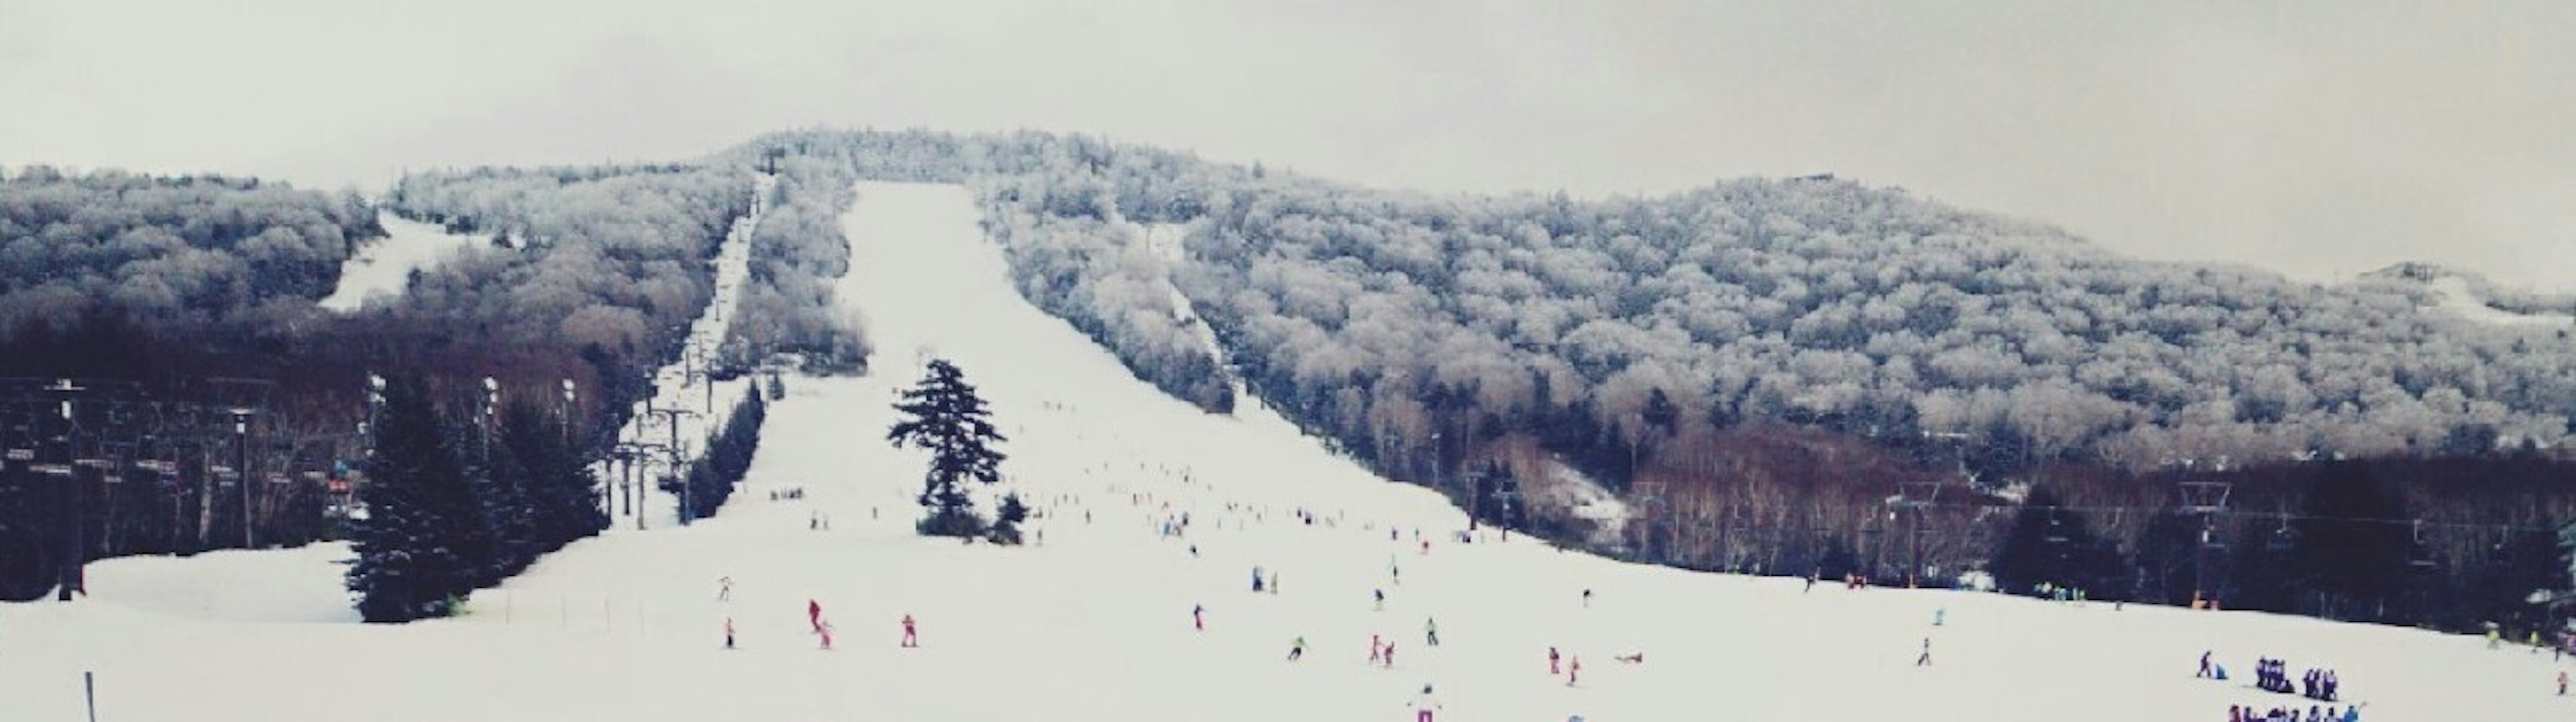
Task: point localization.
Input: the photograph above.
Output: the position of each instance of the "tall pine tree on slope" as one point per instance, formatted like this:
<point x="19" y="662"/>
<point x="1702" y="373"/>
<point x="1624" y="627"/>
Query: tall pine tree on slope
<point x="411" y="547"/>
<point x="560" y="486"/>
<point x="948" y="419"/>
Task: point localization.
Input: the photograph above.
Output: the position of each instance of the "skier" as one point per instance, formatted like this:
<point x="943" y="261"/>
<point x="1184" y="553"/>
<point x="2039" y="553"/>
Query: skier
<point x="1374" y="653"/>
<point x="814" y="615"/>
<point x="1198" y="620"/>
<point x="1573" y="669"/>
<point x="1296" y="648"/>
<point x="2562" y="676"/>
<point x="909" y="637"/>
<point x="1926" y="659"/>
<point x="1430" y="632"/>
<point x="2562" y="683"/>
<point x="1587" y="599"/>
<point x="724" y="589"/>
<point x="1424" y="704"/>
<point x="1256" y="579"/>
<point x="2204" y="665"/>
<point x="825" y="629"/>
<point x="1381" y="598"/>
<point x="1389" y="659"/>
<point x="1551" y="662"/>
<point x="1938" y="614"/>
<point x="1274" y="581"/>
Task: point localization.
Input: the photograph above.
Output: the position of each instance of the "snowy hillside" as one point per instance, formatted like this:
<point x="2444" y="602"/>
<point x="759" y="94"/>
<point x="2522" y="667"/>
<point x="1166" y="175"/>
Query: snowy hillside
<point x="1093" y="621"/>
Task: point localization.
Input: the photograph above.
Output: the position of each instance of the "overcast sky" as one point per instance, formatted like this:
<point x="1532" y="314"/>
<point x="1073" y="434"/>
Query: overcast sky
<point x="2319" y="139"/>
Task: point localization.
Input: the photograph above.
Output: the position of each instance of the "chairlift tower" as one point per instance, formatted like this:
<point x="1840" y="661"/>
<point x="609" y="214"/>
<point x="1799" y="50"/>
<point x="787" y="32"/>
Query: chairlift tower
<point x="1917" y="497"/>
<point x="2208" y="499"/>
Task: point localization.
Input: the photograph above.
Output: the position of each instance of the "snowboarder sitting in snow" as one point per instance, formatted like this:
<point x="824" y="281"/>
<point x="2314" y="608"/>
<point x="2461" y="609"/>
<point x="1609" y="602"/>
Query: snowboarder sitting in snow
<point x="1632" y="658"/>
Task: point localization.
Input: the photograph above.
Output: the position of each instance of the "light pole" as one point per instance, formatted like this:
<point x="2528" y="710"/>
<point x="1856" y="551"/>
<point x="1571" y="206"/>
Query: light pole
<point x="72" y="547"/>
<point x="568" y="398"/>
<point x="490" y="415"/>
<point x="241" y="468"/>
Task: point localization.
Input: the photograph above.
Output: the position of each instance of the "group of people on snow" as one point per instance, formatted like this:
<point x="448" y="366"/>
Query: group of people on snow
<point x="2246" y="713"/>
<point x="2274" y="675"/>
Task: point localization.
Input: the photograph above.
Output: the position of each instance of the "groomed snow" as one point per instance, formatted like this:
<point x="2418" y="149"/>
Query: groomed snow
<point x="1094" y="624"/>
<point x="2462" y="301"/>
<point x="384" y="268"/>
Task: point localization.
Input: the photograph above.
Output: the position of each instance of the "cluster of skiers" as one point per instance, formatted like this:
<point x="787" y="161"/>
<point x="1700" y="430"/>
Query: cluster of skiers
<point x="2058" y="592"/>
<point x="2246" y="713"/>
<point x="2274" y="675"/>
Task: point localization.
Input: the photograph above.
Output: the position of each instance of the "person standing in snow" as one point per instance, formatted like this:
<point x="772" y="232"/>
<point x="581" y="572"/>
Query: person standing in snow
<point x="1573" y="669"/>
<point x="1389" y="658"/>
<point x="910" y="638"/>
<point x="1374" y="653"/>
<point x="1296" y="648"/>
<point x="1198" y="618"/>
<point x="1926" y="659"/>
<point x="1551" y="662"/>
<point x="814" y="615"/>
<point x="1381" y="598"/>
<point x="1587" y="599"/>
<point x="2562" y="683"/>
<point x="1424" y="705"/>
<point x="724" y="589"/>
<point x="824" y="630"/>
<point x="2204" y="665"/>
<point x="1430" y="631"/>
<point x="2562" y="676"/>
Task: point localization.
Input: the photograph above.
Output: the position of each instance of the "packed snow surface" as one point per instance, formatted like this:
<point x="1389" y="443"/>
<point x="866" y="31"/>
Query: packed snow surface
<point x="384" y="268"/>
<point x="2461" y="300"/>
<point x="1094" y="622"/>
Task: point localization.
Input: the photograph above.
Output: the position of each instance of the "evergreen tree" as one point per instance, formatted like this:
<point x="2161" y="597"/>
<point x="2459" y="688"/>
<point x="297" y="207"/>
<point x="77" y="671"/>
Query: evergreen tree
<point x="1006" y="524"/>
<point x="2353" y="544"/>
<point x="561" y="489"/>
<point x="711" y="480"/>
<point x="947" y="418"/>
<point x="410" y="547"/>
<point x="2051" y="545"/>
<point x="505" y="510"/>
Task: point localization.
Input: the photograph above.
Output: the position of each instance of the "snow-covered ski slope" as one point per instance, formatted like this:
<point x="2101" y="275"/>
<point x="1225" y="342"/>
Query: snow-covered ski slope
<point x="384" y="267"/>
<point x="1095" y="622"/>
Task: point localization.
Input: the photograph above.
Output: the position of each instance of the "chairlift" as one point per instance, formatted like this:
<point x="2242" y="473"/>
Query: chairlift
<point x="2422" y="554"/>
<point x="2282" y="537"/>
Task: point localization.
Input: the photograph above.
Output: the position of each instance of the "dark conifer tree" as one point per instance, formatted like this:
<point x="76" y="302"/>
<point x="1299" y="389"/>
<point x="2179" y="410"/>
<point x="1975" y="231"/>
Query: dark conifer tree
<point x="1006" y="522"/>
<point x="505" y="510"/>
<point x="2354" y="543"/>
<point x="560" y="487"/>
<point x="411" y="545"/>
<point x="947" y="418"/>
<point x="2052" y="545"/>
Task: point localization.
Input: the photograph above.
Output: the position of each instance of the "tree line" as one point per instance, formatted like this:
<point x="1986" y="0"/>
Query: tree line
<point x="596" y="272"/>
